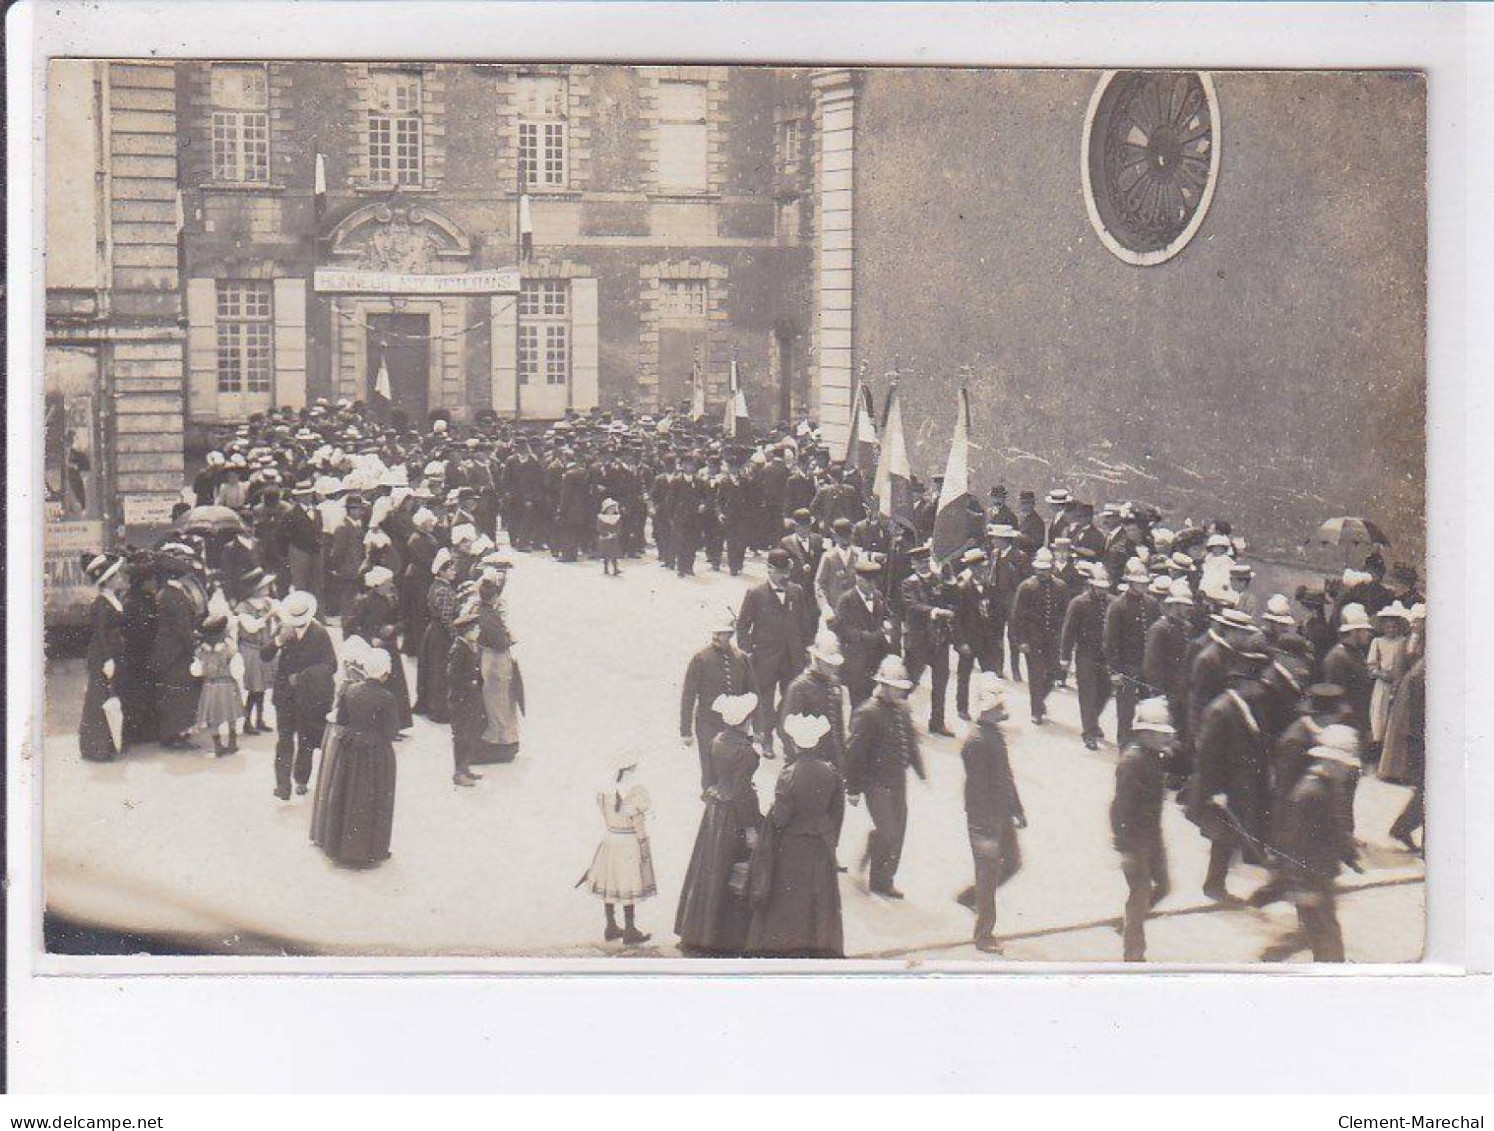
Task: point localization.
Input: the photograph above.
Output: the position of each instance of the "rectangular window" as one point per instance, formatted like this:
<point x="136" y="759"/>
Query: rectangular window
<point x="683" y="298"/>
<point x="544" y="332"/>
<point x="543" y="102"/>
<point x="245" y="361"/>
<point x="241" y="124"/>
<point x="684" y="137"/>
<point x="394" y="129"/>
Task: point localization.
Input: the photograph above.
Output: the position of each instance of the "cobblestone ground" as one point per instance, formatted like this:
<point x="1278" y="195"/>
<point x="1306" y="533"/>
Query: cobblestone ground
<point x="190" y="844"/>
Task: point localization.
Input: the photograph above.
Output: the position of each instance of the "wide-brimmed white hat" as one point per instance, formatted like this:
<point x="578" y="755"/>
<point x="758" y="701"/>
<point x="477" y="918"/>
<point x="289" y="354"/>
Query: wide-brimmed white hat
<point x="735" y="709"/>
<point x="1179" y="593"/>
<point x="1233" y="618"/>
<point x="1354" y="617"/>
<point x="462" y="533"/>
<point x="1136" y="572"/>
<point x="298" y="608"/>
<point x="1218" y="542"/>
<point x="1279" y="610"/>
<point x="1395" y="609"/>
<point x="1001" y="530"/>
<point x="805" y="731"/>
<point x="1152" y="715"/>
<point x="1098" y="577"/>
<point x="379" y="575"/>
<point x="893" y="673"/>
<point x="1337" y="743"/>
<point x="1160" y="586"/>
<point x="826" y="648"/>
<point x="727" y="624"/>
<point x="1042" y="560"/>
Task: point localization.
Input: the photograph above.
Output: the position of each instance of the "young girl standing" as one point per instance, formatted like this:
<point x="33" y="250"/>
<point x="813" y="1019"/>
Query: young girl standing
<point x="257" y="627"/>
<point x="609" y="537"/>
<point x="218" y="664"/>
<point x="622" y="871"/>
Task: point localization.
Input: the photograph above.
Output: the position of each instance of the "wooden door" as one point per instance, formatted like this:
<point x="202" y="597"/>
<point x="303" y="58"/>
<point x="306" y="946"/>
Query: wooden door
<point x="402" y="343"/>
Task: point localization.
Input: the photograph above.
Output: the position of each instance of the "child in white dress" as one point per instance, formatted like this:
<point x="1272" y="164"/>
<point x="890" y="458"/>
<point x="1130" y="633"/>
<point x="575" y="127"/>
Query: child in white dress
<point x="622" y="871"/>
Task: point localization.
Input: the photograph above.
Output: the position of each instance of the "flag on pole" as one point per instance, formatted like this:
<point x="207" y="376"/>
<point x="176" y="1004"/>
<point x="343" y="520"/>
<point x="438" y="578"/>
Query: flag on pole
<point x="319" y="185"/>
<point x="952" y="524"/>
<point x="383" y="393"/>
<point x="735" y="423"/>
<point x="893" y="485"/>
<point x="861" y="446"/>
<point x="526" y="228"/>
<point x="697" y="388"/>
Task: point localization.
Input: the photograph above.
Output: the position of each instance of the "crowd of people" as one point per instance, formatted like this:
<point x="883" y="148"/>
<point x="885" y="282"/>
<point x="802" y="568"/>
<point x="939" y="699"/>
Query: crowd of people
<point x="1259" y="714"/>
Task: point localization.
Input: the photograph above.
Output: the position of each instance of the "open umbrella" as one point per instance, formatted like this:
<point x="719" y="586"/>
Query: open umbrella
<point x="1349" y="531"/>
<point x="1350" y="534"/>
<point x="210" y="520"/>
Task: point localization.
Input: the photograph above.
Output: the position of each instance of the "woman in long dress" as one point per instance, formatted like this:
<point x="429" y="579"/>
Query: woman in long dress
<point x="502" y="691"/>
<point x="441" y="602"/>
<point x="106" y="657"/>
<point x="793" y="887"/>
<point x="135" y="681"/>
<point x="622" y="869"/>
<point x="353" y="814"/>
<point x="1387" y="662"/>
<point x="374" y="615"/>
<point x="713" y="915"/>
<point x="172" y="652"/>
<point x="469" y="716"/>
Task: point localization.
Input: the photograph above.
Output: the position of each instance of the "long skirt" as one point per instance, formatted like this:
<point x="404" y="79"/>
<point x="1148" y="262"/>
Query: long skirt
<point x="802" y="914"/>
<point x="500" y="703"/>
<point x="712" y="916"/>
<point x="352" y="816"/>
<point x="432" y="697"/>
<point x="1395" y="759"/>
<point x="399" y="687"/>
<point x="95" y="741"/>
<point x="622" y="871"/>
<point x="1379" y="710"/>
<point x="176" y="699"/>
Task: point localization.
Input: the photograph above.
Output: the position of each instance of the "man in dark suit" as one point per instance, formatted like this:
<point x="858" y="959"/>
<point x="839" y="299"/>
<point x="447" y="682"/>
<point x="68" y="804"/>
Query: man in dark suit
<point x="1007" y="569"/>
<point x="806" y="548"/>
<point x="1037" y="623"/>
<point x="1083" y="642"/>
<point x="860" y="622"/>
<point x="302" y="691"/>
<point x="928" y="623"/>
<point x="720" y="668"/>
<point x="1126" y="622"/>
<point x="1001" y="514"/>
<point x="774" y="629"/>
<point x="1030" y="524"/>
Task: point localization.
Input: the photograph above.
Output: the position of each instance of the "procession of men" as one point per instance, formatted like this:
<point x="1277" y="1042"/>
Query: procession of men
<point x="1255" y="716"/>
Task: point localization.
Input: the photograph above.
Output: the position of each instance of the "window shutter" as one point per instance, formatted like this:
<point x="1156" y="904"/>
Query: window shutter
<point x="584" y="383"/>
<point x="290" y="343"/>
<point x="504" y="348"/>
<point x="202" y="349"/>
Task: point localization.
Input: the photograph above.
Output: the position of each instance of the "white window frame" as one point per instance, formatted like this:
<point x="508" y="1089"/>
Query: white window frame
<point x="544" y="346"/>
<point x="672" y="119"/>
<point x="396" y="129"/>
<point x="544" y="132"/>
<point x="245" y="338"/>
<point x="239" y="131"/>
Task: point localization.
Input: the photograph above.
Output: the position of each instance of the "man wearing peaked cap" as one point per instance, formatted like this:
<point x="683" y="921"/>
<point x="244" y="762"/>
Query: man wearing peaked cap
<point x="928" y="625"/>
<point x="720" y="668"/>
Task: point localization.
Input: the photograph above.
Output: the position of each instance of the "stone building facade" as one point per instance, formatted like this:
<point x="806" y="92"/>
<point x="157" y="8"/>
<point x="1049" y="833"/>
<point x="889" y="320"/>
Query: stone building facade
<point x="114" y="343"/>
<point x="1243" y="335"/>
<point x="522" y="239"/>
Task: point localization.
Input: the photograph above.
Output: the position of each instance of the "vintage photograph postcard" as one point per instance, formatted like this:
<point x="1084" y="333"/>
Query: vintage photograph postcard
<point x="664" y="514"/>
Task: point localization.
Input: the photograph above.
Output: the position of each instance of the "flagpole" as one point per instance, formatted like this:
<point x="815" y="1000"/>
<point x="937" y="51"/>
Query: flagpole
<point x="519" y="295"/>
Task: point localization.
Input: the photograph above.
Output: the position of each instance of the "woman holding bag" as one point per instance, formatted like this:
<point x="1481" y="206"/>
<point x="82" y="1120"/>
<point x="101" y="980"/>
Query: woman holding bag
<point x="713" y="915"/>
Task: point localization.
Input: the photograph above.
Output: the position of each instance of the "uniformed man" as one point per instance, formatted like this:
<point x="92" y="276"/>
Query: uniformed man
<point x="880" y="750"/>
<point x="1136" y="819"/>
<point x="1037" y="625"/>
<point x="1126" y="622"/>
<point x="720" y="668"/>
<point x="817" y="691"/>
<point x="1083" y="643"/>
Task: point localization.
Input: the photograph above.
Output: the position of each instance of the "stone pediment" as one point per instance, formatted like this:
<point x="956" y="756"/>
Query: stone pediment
<point x="403" y="238"/>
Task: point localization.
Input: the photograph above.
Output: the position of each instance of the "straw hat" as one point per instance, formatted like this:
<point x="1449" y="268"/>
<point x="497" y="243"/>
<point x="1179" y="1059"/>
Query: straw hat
<point x="298" y="609"/>
<point x="1279" y="610"/>
<point x="1098" y="577"/>
<point x="1152" y="715"/>
<point x="1395" y="609"/>
<point x="1179" y="593"/>
<point x="1136" y="572"/>
<point x="1160" y="587"/>
<point x="1042" y="560"/>
<point x="379" y="575"/>
<point x="735" y="709"/>
<point x="1338" y="743"/>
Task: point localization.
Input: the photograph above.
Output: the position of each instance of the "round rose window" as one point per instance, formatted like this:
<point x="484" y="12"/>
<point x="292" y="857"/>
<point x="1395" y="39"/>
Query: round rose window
<point x="1150" y="160"/>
